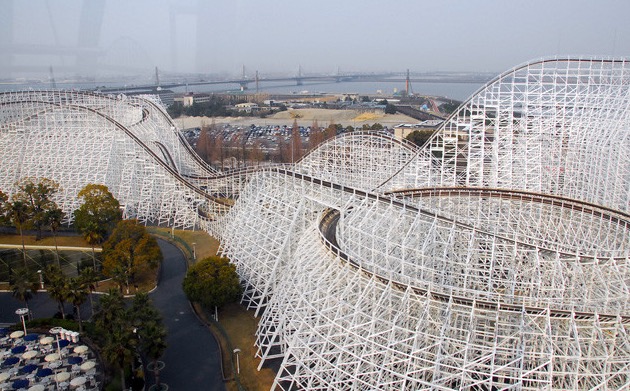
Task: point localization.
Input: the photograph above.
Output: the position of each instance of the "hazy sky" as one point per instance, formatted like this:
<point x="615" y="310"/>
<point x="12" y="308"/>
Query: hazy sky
<point x="220" y="36"/>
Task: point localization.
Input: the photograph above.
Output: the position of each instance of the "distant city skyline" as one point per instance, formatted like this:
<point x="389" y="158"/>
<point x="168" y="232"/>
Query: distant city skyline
<point x="91" y="38"/>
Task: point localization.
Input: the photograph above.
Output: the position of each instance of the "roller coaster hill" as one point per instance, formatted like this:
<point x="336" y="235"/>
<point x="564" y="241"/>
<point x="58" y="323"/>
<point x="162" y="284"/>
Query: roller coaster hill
<point x="495" y="257"/>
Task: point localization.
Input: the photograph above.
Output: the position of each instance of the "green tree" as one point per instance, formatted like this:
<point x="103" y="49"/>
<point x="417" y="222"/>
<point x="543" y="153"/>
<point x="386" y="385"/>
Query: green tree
<point x="18" y="215"/>
<point x="111" y="309"/>
<point x="420" y="137"/>
<point x="153" y="345"/>
<point x="130" y="250"/>
<point x="57" y="286"/>
<point x="77" y="294"/>
<point x="36" y="195"/>
<point x="5" y="208"/>
<point x="119" y="348"/>
<point x="90" y="279"/>
<point x="24" y="284"/>
<point x="147" y="323"/>
<point x="212" y="282"/>
<point x="52" y="219"/>
<point x="390" y="109"/>
<point x="97" y="216"/>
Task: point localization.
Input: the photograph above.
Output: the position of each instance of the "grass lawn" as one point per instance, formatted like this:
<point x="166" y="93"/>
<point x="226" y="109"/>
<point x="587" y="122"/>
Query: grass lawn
<point x="73" y="241"/>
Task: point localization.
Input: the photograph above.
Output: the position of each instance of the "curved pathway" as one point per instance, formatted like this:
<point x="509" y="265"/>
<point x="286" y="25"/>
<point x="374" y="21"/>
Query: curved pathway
<point x="192" y="357"/>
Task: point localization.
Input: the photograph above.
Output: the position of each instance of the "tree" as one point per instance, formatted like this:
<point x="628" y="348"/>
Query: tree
<point x="119" y="348"/>
<point x="97" y="216"/>
<point x="147" y="324"/>
<point x="153" y="344"/>
<point x="296" y="142"/>
<point x="330" y="131"/>
<point x="52" y="219"/>
<point x="316" y="137"/>
<point x="36" y="195"/>
<point x="256" y="153"/>
<point x="77" y="294"/>
<point x="57" y="286"/>
<point x="202" y="143"/>
<point x="111" y="309"/>
<point x="283" y="150"/>
<point x="24" y="283"/>
<point x="390" y="109"/>
<point x="5" y="208"/>
<point x="124" y="329"/>
<point x="420" y="137"/>
<point x="212" y="282"/>
<point x="130" y="250"/>
<point x="18" y="214"/>
<point x="113" y="326"/>
<point x="90" y="279"/>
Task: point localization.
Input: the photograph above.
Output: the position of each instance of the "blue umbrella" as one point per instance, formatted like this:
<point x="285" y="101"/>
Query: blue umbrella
<point x="18" y="349"/>
<point x="10" y="361"/>
<point x="28" y="368"/>
<point x="63" y="343"/>
<point x="74" y="360"/>
<point x="44" y="372"/>
<point x="20" y="383"/>
<point x="31" y="337"/>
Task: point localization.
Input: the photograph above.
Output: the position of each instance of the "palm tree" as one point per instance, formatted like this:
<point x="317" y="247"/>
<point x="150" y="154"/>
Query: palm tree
<point x="18" y="212"/>
<point x="90" y="280"/>
<point x="147" y="321"/>
<point x="119" y="348"/>
<point x="93" y="235"/>
<point x="111" y="309"/>
<point x="153" y="344"/>
<point x="77" y="293"/>
<point x="53" y="219"/>
<point x="24" y="284"/>
<point x="57" y="284"/>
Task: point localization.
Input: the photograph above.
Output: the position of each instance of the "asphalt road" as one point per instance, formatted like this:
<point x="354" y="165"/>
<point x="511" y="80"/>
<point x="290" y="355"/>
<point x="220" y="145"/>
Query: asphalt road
<point x="192" y="356"/>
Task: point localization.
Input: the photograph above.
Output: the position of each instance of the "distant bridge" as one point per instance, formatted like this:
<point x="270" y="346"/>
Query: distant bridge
<point x="243" y="83"/>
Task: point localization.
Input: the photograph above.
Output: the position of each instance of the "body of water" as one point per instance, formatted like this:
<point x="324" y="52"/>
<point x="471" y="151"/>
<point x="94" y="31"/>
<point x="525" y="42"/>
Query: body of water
<point x="457" y="91"/>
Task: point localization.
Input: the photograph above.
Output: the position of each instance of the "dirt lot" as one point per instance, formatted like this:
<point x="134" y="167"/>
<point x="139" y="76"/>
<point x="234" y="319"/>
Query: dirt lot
<point x="304" y="117"/>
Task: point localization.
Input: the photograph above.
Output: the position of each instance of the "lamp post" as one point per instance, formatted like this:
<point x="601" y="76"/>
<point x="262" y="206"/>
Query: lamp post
<point x="56" y="331"/>
<point x="238" y="366"/>
<point x="21" y="312"/>
<point x="194" y="251"/>
<point x="41" y="279"/>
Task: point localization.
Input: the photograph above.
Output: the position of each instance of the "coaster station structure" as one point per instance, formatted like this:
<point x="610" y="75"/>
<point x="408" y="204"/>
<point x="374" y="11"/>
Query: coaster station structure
<point x="495" y="257"/>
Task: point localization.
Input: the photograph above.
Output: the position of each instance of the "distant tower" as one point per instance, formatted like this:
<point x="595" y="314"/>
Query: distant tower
<point x="157" y="77"/>
<point x="257" y="82"/>
<point x="408" y="90"/>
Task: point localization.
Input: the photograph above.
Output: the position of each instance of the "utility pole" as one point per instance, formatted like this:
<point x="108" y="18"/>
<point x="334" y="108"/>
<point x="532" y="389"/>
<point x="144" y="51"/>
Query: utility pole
<point x="52" y="78"/>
